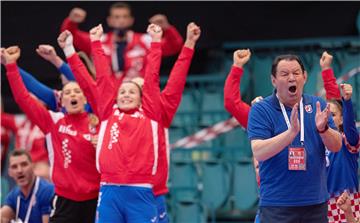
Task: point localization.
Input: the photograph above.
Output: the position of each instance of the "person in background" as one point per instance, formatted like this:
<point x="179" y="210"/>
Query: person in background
<point x="125" y="49"/>
<point x="342" y="167"/>
<point x="30" y="200"/>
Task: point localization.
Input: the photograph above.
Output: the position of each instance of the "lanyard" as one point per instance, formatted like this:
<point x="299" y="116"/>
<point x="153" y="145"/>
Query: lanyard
<point x="32" y="201"/>
<point x="302" y="137"/>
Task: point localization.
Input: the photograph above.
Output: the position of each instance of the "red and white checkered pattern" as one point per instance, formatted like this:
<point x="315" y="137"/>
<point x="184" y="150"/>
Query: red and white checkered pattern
<point x="336" y="215"/>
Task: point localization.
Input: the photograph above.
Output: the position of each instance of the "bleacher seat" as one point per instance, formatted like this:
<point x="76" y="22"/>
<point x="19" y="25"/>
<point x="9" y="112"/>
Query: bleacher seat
<point x="212" y="101"/>
<point x="245" y="185"/>
<point x="237" y="140"/>
<point x="176" y="133"/>
<point x="188" y="212"/>
<point x="261" y="71"/>
<point x="313" y="85"/>
<point x="215" y="179"/>
<point x="184" y="180"/>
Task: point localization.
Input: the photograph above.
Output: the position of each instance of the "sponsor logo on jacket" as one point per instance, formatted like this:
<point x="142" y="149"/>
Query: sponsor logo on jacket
<point x="67" y="130"/>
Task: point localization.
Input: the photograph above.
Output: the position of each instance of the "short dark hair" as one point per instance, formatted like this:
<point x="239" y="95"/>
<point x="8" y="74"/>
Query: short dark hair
<point x="21" y="152"/>
<point x="120" y="5"/>
<point x="288" y="57"/>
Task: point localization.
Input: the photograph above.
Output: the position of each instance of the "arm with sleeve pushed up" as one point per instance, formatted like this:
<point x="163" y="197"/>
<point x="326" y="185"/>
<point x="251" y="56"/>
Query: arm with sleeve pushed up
<point x="171" y="95"/>
<point x="81" y="38"/>
<point x="350" y="131"/>
<point x="232" y="97"/>
<point x="84" y="79"/>
<point x="33" y="109"/>
<point x="331" y="88"/>
<point x="105" y="85"/>
<point x="171" y="42"/>
<point x="41" y="91"/>
<point x="151" y="102"/>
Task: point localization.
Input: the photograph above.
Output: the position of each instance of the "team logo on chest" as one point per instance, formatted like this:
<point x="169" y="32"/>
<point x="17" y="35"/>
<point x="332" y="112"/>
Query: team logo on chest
<point x="308" y="108"/>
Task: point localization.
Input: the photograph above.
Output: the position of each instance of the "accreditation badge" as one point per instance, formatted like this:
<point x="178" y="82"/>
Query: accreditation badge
<point x="297" y="158"/>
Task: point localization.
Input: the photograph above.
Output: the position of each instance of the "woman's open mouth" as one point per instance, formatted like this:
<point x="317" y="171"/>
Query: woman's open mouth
<point x="74" y="102"/>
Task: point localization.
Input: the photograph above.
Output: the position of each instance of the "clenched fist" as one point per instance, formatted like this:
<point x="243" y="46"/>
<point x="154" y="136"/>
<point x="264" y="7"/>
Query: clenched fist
<point x="155" y="32"/>
<point x="65" y="39"/>
<point x="241" y="57"/>
<point x="10" y="55"/>
<point x="96" y="33"/>
<point x="346" y="91"/>
<point x="77" y="15"/>
<point x="325" y="61"/>
<point x="46" y="51"/>
<point x="160" y="20"/>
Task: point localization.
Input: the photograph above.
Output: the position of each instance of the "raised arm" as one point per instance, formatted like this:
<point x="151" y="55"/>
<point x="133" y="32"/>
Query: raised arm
<point x="48" y="53"/>
<point x="41" y="91"/>
<point x="71" y="23"/>
<point x="151" y="89"/>
<point x="232" y="94"/>
<point x="35" y="111"/>
<point x="171" y="95"/>
<point x="105" y="84"/>
<point x="330" y="137"/>
<point x="172" y="41"/>
<point x="82" y="76"/>
<point x="350" y="131"/>
<point x="331" y="88"/>
<point x="8" y="121"/>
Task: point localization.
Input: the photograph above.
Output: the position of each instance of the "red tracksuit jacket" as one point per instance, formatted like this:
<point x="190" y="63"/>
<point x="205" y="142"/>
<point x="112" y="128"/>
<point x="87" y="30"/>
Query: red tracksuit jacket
<point x="137" y="48"/>
<point x="27" y="136"/>
<point x="170" y="99"/>
<point x="71" y="155"/>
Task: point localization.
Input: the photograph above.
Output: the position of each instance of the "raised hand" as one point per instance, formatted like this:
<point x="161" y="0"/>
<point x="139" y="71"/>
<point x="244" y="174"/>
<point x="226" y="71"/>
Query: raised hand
<point x="47" y="52"/>
<point x="346" y="91"/>
<point x="65" y="39"/>
<point x="294" y="120"/>
<point x="155" y="32"/>
<point x="160" y="20"/>
<point x="325" y="61"/>
<point x="193" y="32"/>
<point x="11" y="54"/>
<point x="321" y="117"/>
<point x="77" y="15"/>
<point x="96" y="33"/>
<point x="241" y="57"/>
